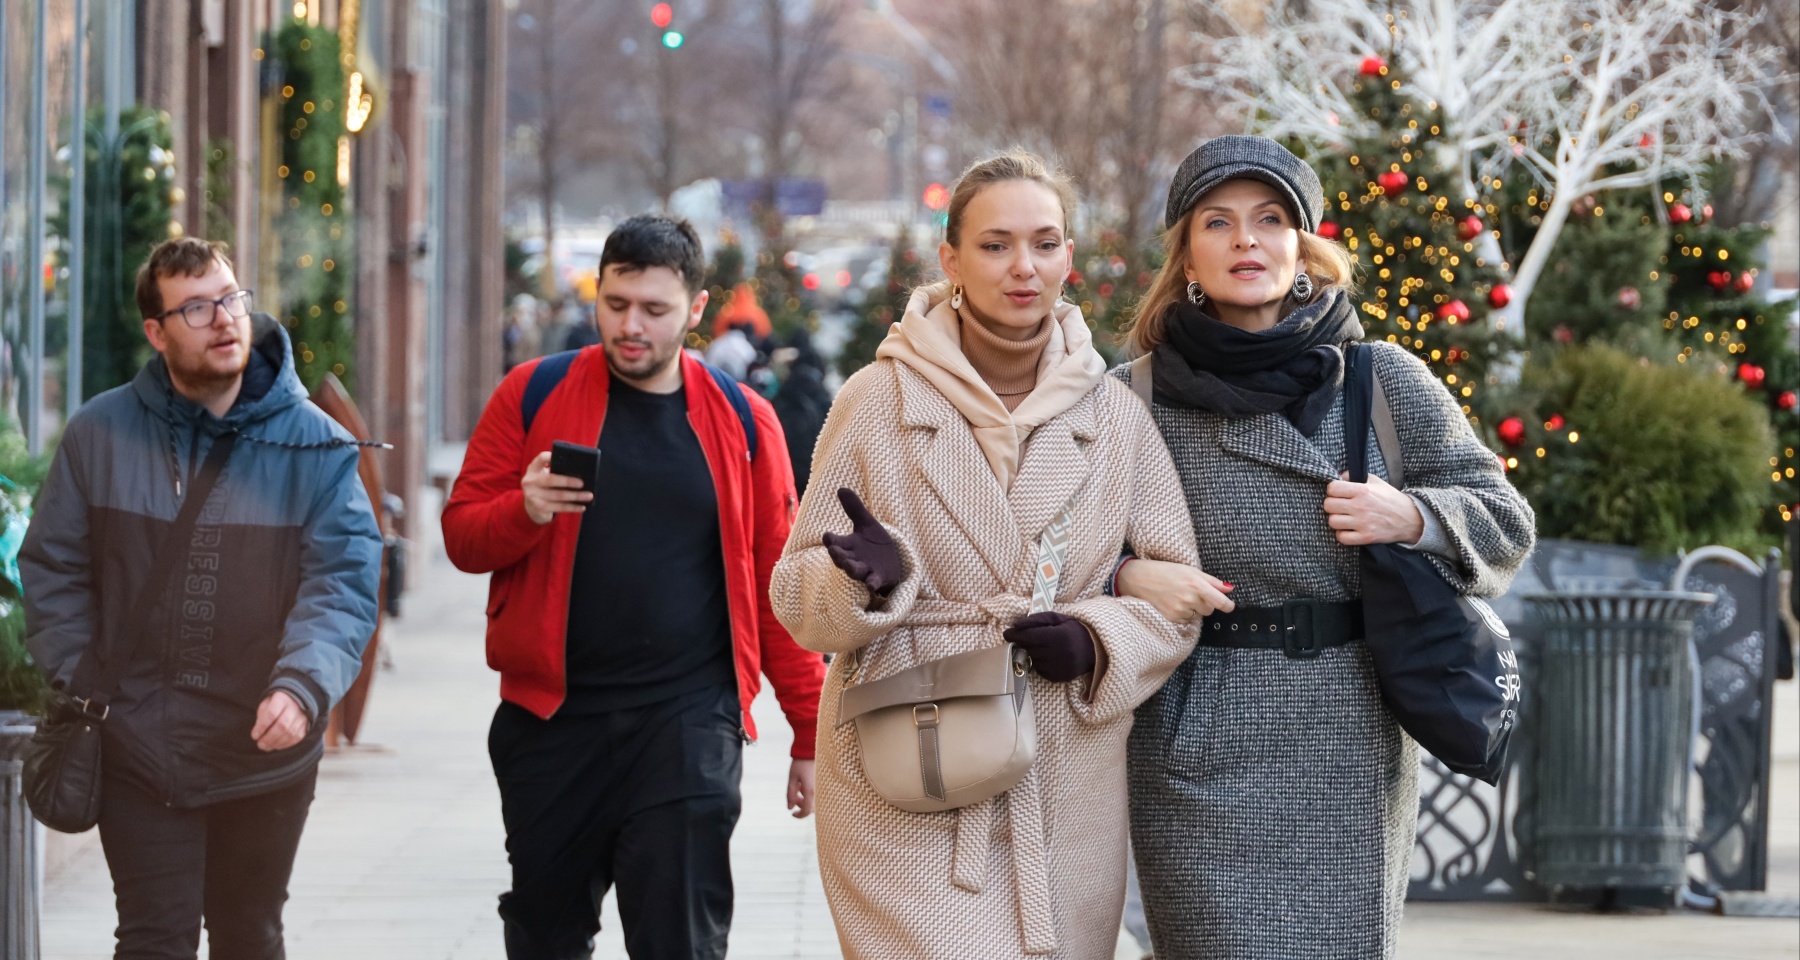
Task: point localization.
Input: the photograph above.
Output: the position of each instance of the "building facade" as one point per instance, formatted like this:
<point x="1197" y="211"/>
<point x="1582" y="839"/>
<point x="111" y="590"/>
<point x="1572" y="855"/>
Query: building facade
<point x="184" y="110"/>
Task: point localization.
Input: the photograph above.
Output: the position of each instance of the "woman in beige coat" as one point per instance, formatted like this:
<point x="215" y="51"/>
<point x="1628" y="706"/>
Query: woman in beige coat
<point x="986" y="413"/>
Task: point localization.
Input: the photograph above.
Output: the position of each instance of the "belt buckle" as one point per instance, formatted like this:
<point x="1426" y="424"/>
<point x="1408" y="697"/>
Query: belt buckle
<point x="1300" y="638"/>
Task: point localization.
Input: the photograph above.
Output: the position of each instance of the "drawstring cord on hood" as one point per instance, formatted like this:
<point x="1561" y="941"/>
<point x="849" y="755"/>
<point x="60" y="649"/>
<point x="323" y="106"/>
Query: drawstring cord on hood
<point x="333" y="443"/>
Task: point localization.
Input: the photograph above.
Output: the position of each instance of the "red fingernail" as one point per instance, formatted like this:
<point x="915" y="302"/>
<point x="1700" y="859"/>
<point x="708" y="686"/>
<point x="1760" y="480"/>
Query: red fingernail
<point x="1227" y="584"/>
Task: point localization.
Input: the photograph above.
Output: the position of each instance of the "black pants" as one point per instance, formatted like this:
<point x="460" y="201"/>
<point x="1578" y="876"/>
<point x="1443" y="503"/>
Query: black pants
<point x="227" y="863"/>
<point x="645" y="799"/>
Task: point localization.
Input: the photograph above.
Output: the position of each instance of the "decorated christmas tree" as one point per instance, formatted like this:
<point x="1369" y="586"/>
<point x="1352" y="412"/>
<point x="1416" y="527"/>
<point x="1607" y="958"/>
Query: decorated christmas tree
<point x="905" y="271"/>
<point x="313" y="227"/>
<point x="1107" y="289"/>
<point x="1426" y="281"/>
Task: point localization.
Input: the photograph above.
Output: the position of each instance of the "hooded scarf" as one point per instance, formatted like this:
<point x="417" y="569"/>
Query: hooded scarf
<point x="928" y="339"/>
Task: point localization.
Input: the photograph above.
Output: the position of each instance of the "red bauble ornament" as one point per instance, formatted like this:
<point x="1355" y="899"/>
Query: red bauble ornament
<point x="1074" y="278"/>
<point x="1556" y="422"/>
<point x="1788" y="400"/>
<point x="1455" y="355"/>
<point x="1680" y="213"/>
<point x="1329" y="230"/>
<point x="1500" y="296"/>
<point x="1393" y="182"/>
<point x="1746" y="282"/>
<point x="1562" y="334"/>
<point x="1630" y="298"/>
<point x="1719" y="279"/>
<point x="1706" y="211"/>
<point x="1470" y="227"/>
<point x="1372" y="66"/>
<point x="1455" y="311"/>
<point x="1752" y="375"/>
<point x="1511" y="431"/>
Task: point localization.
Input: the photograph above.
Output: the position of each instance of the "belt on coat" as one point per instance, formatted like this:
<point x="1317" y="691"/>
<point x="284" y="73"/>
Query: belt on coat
<point x="1024" y="802"/>
<point x="1301" y="628"/>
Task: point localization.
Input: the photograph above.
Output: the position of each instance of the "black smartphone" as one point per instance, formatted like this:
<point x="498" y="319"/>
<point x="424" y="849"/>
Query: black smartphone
<point x="574" y="460"/>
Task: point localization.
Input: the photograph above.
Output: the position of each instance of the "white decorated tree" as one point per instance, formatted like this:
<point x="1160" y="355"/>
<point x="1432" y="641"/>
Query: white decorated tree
<point x="1585" y="96"/>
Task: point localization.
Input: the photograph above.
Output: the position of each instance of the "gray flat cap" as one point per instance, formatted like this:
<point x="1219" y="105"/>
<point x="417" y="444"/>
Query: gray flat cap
<point x="1255" y="158"/>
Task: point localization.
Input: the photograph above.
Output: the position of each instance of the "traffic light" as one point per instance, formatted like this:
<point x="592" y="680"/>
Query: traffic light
<point x="937" y="196"/>
<point x="671" y="39"/>
<point x="662" y="15"/>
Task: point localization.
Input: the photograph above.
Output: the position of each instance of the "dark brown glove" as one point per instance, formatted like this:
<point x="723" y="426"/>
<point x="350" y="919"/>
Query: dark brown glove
<point x="1061" y="648"/>
<point x="866" y="553"/>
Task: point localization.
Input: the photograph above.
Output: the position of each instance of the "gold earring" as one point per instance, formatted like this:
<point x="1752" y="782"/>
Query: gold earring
<point x="956" y="296"/>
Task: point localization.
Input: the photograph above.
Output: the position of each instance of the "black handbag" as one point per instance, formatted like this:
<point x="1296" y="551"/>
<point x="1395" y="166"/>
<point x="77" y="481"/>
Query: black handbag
<point x="1445" y="662"/>
<point x="62" y="763"/>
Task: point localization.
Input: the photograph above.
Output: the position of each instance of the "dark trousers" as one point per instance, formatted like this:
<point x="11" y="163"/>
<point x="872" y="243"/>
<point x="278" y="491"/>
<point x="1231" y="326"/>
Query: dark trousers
<point x="226" y="864"/>
<point x="645" y="799"/>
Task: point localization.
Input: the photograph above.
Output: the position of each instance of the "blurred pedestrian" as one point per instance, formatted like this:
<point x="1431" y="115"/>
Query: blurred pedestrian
<point x="203" y="536"/>
<point x="519" y="339"/>
<point x="974" y="487"/>
<point x="802" y="403"/>
<point x="733" y="352"/>
<point x="626" y="615"/>
<point x="1274" y="798"/>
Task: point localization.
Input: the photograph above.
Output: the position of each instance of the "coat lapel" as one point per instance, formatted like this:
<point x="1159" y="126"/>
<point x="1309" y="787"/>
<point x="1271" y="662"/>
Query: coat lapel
<point x="1270" y="439"/>
<point x="1055" y="465"/>
<point x="958" y="474"/>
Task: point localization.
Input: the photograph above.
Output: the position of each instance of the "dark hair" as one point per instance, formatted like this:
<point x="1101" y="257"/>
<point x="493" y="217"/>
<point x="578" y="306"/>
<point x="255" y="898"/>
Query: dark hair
<point x="650" y="241"/>
<point x="180" y="257"/>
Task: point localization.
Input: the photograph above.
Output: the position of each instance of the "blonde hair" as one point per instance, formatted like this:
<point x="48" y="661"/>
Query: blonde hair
<point x="1327" y="262"/>
<point x="1014" y="164"/>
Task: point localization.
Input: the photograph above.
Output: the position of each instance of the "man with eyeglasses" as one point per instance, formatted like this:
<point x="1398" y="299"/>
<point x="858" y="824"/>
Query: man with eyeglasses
<point x="238" y="621"/>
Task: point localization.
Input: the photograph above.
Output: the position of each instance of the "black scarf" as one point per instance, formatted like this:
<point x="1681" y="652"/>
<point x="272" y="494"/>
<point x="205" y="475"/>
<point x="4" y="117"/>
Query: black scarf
<point x="1294" y="368"/>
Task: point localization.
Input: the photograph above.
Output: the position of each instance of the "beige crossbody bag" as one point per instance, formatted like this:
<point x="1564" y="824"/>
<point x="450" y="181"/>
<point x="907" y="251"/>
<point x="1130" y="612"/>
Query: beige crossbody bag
<point x="958" y="730"/>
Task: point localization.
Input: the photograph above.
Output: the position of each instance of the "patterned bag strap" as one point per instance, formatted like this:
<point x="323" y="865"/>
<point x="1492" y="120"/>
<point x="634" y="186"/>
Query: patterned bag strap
<point x="1053" y="549"/>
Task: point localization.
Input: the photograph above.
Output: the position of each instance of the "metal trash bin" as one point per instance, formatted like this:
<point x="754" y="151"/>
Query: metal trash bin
<point x="19" y="878"/>
<point x="1615" y="719"/>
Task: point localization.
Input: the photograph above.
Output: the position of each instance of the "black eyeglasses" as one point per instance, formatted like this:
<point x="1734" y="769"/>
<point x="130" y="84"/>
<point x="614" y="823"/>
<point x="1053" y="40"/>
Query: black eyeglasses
<point x="199" y="313"/>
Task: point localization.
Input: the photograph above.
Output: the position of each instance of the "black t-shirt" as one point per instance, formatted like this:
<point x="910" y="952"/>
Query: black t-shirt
<point x="648" y="616"/>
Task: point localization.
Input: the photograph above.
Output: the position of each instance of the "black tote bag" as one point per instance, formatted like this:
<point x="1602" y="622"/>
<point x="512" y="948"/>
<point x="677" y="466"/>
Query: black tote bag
<point x="1445" y="662"/>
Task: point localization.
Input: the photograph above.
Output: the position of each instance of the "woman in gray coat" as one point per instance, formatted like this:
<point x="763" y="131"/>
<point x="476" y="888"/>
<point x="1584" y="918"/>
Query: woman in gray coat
<point x="1273" y="795"/>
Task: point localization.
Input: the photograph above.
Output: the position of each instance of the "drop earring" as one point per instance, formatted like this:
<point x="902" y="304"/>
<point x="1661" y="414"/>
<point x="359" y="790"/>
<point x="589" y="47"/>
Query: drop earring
<point x="1196" y="296"/>
<point x="956" y="297"/>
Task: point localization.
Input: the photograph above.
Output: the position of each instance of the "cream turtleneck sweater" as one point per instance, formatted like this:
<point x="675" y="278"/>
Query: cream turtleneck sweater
<point x="1008" y="367"/>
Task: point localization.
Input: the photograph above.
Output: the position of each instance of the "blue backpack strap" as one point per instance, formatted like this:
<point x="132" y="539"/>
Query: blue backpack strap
<point x="549" y="372"/>
<point x="734" y="392"/>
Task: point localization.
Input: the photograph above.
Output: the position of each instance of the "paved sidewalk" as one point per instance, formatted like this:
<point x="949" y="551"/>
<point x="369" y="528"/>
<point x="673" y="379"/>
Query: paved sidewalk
<point x="404" y="853"/>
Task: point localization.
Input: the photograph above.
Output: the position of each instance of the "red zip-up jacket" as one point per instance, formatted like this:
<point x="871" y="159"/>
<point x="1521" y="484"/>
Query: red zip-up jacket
<point x="486" y="530"/>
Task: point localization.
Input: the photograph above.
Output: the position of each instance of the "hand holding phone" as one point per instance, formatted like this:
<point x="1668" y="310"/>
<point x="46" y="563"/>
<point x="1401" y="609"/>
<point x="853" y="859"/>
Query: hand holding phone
<point x="548" y="493"/>
<point x="574" y="460"/>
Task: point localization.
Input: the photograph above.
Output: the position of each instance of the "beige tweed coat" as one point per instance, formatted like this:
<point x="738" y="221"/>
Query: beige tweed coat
<point x="1039" y="870"/>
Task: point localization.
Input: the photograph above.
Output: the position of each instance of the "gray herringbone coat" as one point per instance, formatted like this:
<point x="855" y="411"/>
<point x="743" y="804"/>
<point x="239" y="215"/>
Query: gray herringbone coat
<point x="1040" y="869"/>
<point x="1274" y="801"/>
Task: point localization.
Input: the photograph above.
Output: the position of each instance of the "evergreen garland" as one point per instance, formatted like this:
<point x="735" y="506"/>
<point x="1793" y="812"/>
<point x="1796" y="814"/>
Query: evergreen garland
<point x="128" y="209"/>
<point x="312" y="227"/>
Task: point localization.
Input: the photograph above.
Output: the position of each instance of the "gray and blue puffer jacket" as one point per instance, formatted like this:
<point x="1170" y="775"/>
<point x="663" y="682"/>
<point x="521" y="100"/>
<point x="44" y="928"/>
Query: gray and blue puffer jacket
<point x="276" y="588"/>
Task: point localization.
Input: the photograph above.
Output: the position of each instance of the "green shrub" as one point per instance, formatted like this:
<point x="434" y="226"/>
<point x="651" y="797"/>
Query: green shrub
<point x="21" y="684"/>
<point x="1660" y="456"/>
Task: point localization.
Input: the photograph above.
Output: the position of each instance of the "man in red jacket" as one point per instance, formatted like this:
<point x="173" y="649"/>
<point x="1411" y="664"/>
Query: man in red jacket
<point x="628" y="615"/>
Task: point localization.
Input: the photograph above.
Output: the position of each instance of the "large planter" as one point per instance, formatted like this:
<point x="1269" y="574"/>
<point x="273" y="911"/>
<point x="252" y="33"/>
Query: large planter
<point x="1615" y="707"/>
<point x="19" y="874"/>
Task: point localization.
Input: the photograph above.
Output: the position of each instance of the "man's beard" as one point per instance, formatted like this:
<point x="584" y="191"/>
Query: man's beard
<point x="198" y="375"/>
<point x="652" y="363"/>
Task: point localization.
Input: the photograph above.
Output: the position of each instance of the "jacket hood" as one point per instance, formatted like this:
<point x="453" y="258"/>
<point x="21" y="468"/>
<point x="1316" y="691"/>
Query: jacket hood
<point x="271" y="385"/>
<point x="928" y="339"/>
